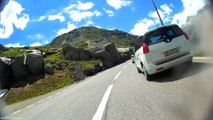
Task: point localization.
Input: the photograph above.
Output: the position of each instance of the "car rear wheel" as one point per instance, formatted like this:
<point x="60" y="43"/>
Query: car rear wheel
<point x="147" y="76"/>
<point x="139" y="71"/>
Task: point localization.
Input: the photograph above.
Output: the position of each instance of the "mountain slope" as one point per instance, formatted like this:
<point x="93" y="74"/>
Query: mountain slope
<point x="83" y="36"/>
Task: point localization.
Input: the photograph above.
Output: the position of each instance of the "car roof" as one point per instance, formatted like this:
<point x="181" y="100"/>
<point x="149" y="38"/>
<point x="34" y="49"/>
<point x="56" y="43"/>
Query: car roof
<point x="160" y="28"/>
<point x="156" y="29"/>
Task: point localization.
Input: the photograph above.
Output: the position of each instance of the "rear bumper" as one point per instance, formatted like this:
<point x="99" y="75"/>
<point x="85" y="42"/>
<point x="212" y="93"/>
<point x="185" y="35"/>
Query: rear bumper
<point x="152" y="68"/>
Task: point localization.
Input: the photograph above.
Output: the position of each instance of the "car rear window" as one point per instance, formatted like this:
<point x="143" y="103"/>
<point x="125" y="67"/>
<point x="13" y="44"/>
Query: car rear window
<point x="163" y="34"/>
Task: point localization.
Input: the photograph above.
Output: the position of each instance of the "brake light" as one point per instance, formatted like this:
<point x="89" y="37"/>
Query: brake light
<point x="145" y="48"/>
<point x="186" y="35"/>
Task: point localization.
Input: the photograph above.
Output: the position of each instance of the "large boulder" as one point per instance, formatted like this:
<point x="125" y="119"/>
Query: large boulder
<point x="31" y="63"/>
<point x="125" y="53"/>
<point x="71" y="53"/>
<point x="53" y="51"/>
<point x="101" y="54"/>
<point x="115" y="56"/>
<point x="35" y="62"/>
<point x="106" y="51"/>
<point x="49" y="69"/>
<point x="19" y="67"/>
<point x="5" y="72"/>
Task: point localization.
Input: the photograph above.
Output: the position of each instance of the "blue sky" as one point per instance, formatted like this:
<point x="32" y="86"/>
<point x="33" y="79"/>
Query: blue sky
<point x="38" y="22"/>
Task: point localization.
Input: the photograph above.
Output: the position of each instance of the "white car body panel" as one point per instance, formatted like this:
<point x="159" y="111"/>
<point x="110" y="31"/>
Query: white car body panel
<point x="179" y="51"/>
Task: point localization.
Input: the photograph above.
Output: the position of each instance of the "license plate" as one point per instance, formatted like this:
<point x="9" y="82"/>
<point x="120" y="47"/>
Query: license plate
<point x="172" y="51"/>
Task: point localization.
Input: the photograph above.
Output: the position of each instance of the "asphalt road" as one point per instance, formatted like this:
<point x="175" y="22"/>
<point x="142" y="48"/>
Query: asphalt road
<point x="120" y="93"/>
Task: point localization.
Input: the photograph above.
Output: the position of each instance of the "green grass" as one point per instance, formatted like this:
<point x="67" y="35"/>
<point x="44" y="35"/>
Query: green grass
<point x="12" y="52"/>
<point x="62" y="76"/>
<point x="41" y="87"/>
<point x="200" y="53"/>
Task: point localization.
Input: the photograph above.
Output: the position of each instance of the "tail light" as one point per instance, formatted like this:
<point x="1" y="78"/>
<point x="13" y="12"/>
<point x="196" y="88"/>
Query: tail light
<point x="145" y="48"/>
<point x="186" y="35"/>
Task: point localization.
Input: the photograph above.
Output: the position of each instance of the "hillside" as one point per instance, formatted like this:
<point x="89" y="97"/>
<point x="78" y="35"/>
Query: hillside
<point x="83" y="36"/>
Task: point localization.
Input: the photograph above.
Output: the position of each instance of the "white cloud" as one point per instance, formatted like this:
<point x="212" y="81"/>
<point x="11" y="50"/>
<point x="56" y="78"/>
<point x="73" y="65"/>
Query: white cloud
<point x="110" y="13"/>
<point x="97" y="13"/>
<point x="89" y="23"/>
<point x="84" y="6"/>
<point x="142" y="26"/>
<point x="165" y="13"/>
<point x="59" y="17"/>
<point x="78" y="16"/>
<point x="12" y="15"/>
<point x="14" y="45"/>
<point x="35" y="44"/>
<point x="190" y="8"/>
<point x="80" y="11"/>
<point x="37" y="36"/>
<point x="41" y="18"/>
<point x="70" y="7"/>
<point x="70" y="27"/>
<point x="47" y="42"/>
<point x="98" y="26"/>
<point x="117" y="4"/>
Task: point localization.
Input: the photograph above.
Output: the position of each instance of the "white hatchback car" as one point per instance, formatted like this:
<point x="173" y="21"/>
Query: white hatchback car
<point x="161" y="49"/>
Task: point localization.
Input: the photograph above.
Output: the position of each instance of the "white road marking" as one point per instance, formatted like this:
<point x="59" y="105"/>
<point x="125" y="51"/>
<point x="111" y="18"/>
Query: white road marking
<point x="101" y="107"/>
<point x="116" y="77"/>
<point x="202" y="58"/>
<point x="125" y="67"/>
<point x="30" y="106"/>
<point x="49" y="97"/>
<point x="17" y="112"/>
<point x="41" y="100"/>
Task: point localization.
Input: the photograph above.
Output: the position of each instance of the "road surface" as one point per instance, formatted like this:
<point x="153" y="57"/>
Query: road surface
<point x="121" y="93"/>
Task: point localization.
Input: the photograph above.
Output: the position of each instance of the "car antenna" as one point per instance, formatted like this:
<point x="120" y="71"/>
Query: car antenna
<point x="157" y="12"/>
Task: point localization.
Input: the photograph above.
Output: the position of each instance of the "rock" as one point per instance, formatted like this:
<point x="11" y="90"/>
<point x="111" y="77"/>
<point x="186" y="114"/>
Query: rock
<point x="35" y="62"/>
<point x="5" y="72"/>
<point x="115" y="56"/>
<point x="49" y="69"/>
<point x="125" y="53"/>
<point x="107" y="64"/>
<point x="98" y="68"/>
<point x="2" y="48"/>
<point x="19" y="67"/>
<point x="78" y="72"/>
<point x="30" y="64"/>
<point x="101" y="54"/>
<point x="53" y="51"/>
<point x="106" y="51"/>
<point x="72" y="53"/>
<point x="124" y="57"/>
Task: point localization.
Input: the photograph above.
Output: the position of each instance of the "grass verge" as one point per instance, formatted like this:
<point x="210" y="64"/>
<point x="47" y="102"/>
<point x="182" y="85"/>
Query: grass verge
<point x="40" y="87"/>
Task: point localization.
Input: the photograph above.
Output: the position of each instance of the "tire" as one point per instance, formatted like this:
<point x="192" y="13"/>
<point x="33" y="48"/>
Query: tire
<point x="139" y="71"/>
<point x="146" y="75"/>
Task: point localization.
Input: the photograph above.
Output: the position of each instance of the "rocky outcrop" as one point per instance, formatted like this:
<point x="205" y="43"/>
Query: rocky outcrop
<point x="5" y="72"/>
<point x="19" y="67"/>
<point x="125" y="53"/>
<point x="53" y="51"/>
<point x="31" y="63"/>
<point x="72" y="53"/>
<point x="35" y="62"/>
<point x="49" y="69"/>
<point x="106" y="51"/>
